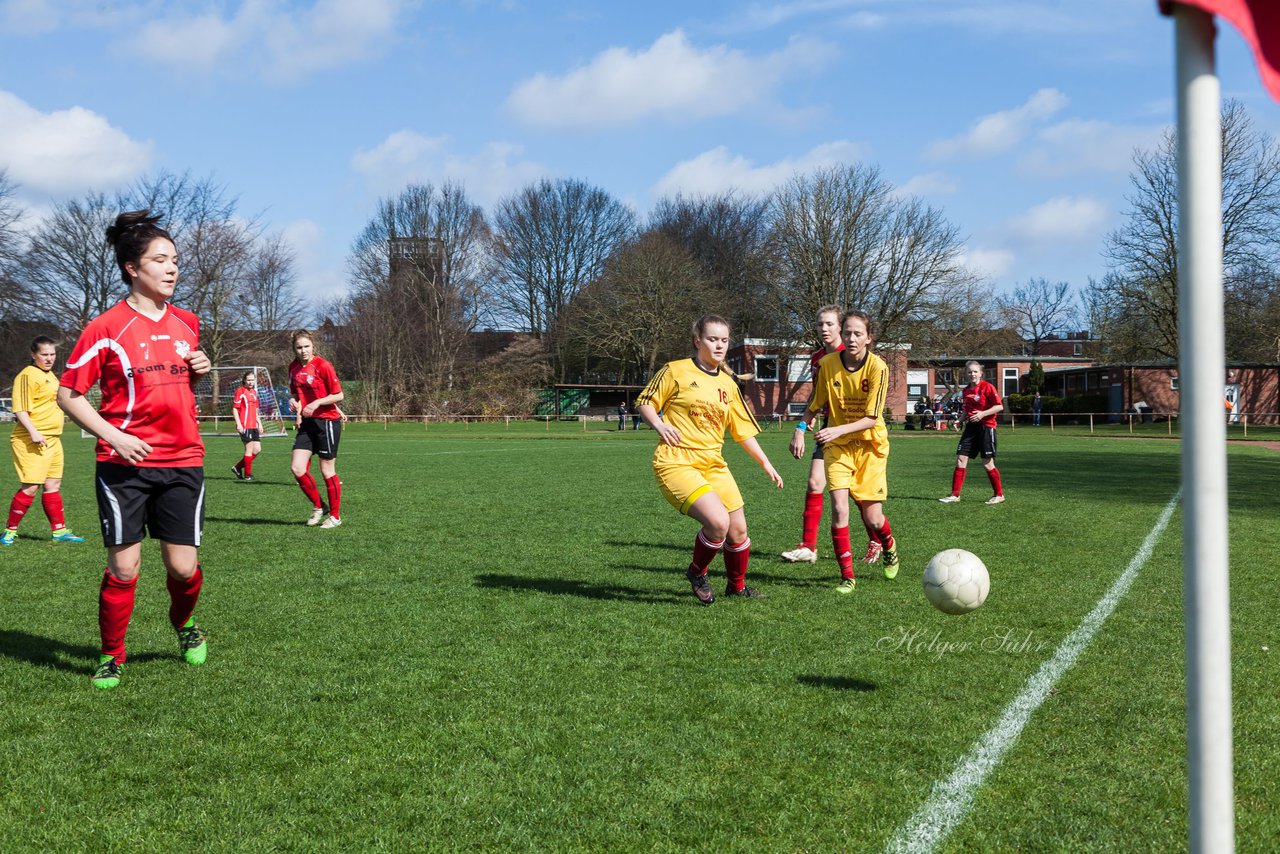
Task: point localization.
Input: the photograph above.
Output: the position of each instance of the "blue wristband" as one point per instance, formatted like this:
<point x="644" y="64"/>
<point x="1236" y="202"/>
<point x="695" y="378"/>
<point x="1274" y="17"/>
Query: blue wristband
<point x="802" y="426"/>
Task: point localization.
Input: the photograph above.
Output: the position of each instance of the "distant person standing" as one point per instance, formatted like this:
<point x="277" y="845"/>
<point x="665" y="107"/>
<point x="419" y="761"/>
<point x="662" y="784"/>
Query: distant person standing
<point x="1036" y="405"/>
<point x="37" y="444"/>
<point x="981" y="403"/>
<point x="622" y="414"/>
<point x="314" y="394"/>
<point x="244" y="407"/>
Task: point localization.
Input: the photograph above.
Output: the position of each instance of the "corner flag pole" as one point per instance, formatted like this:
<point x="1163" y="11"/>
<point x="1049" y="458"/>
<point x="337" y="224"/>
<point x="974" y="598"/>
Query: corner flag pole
<point x="1201" y="368"/>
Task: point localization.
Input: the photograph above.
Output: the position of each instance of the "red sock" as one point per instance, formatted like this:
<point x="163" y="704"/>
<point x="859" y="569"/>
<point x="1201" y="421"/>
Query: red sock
<point x="993" y="474"/>
<point x="308" y="484"/>
<point x="844" y="552"/>
<point x="18" y="507"/>
<point x="52" y="503"/>
<point x="885" y="535"/>
<point x="334" y="486"/>
<point x="704" y="551"/>
<point x="871" y="532"/>
<point x="736" y="556"/>
<point x="957" y="480"/>
<point x="115" y="607"/>
<point x="812" y="518"/>
<point x="246" y="465"/>
<point x="183" y="593"/>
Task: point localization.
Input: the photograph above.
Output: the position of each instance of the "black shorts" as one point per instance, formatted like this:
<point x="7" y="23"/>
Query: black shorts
<point x="250" y="435"/>
<point x="167" y="503"/>
<point x="320" y="436"/>
<point x="976" y="440"/>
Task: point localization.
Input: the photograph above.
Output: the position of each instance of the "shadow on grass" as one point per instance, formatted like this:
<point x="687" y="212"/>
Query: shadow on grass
<point x="753" y="574"/>
<point x="837" y="683"/>
<point x="47" y="652"/>
<point x="252" y="521"/>
<point x="587" y="590"/>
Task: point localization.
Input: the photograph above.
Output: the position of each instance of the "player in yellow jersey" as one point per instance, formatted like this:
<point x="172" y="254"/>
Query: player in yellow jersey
<point x="853" y="384"/>
<point x="37" y="444"/>
<point x="689" y="403"/>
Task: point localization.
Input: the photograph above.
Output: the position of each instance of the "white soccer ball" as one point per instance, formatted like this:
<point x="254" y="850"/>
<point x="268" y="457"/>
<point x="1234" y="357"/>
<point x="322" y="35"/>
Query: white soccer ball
<point x="956" y="581"/>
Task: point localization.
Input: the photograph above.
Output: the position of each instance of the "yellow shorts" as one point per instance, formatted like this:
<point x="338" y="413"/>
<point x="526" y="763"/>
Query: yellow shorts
<point x="33" y="463"/>
<point x="685" y="476"/>
<point x="858" y="469"/>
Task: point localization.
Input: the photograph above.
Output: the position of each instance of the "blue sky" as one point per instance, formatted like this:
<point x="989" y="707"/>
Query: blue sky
<point x="1018" y="119"/>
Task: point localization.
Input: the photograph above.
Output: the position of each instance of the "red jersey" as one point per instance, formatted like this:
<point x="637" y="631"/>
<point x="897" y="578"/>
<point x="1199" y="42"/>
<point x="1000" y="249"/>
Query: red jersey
<point x="245" y="405"/>
<point x="140" y="365"/>
<point x="312" y="381"/>
<point x="976" y="398"/>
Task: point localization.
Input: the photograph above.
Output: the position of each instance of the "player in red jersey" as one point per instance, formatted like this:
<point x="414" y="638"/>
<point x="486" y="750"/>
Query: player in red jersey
<point x="314" y="394"/>
<point x="981" y="403"/>
<point x="806" y="551"/>
<point x="144" y="354"/>
<point x="244" y="406"/>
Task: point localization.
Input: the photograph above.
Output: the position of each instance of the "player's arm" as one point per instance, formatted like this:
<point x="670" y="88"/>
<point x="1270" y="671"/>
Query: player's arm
<point x="235" y="412"/>
<point x="669" y="434"/>
<point x="311" y="407"/>
<point x="24" y="418"/>
<point x="131" y="449"/>
<point x="753" y="449"/>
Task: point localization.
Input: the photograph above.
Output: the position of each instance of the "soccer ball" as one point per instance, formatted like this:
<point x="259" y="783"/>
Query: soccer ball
<point x="956" y="581"/>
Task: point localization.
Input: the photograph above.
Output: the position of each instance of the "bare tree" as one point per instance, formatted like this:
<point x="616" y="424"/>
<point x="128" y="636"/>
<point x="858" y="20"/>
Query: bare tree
<point x="727" y="234"/>
<point x="840" y="235"/>
<point x="638" y="313"/>
<point x="416" y="274"/>
<point x="11" y="213"/>
<point x="268" y="298"/>
<point x="1140" y="292"/>
<point x="68" y="266"/>
<point x="551" y="240"/>
<point x="1038" y="309"/>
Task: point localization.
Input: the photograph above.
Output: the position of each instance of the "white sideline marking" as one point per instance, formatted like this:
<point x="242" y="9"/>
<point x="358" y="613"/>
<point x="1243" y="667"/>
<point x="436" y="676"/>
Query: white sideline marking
<point x="951" y="798"/>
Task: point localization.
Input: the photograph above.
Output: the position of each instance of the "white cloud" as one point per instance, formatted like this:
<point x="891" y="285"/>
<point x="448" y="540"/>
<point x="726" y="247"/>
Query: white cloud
<point x="267" y="37"/>
<point x="928" y="184"/>
<point x="33" y="17"/>
<point x="990" y="263"/>
<point x="717" y="170"/>
<point x="66" y="151"/>
<point x="1001" y="131"/>
<point x="320" y="276"/>
<point x="1061" y="221"/>
<point x="671" y="80"/>
<point x="407" y="157"/>
<point x="1077" y="146"/>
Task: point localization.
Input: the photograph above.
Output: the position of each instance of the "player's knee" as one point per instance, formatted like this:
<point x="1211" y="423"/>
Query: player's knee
<point x="29" y="488"/>
<point x="298" y="470"/>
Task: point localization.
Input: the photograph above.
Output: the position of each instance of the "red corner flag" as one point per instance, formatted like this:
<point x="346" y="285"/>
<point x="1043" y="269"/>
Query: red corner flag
<point x="1258" y="21"/>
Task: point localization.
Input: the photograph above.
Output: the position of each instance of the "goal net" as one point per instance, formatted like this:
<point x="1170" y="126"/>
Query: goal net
<point x="216" y="391"/>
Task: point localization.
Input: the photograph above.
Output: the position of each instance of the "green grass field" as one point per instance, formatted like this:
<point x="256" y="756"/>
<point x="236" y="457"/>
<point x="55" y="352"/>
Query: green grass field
<point x="499" y="650"/>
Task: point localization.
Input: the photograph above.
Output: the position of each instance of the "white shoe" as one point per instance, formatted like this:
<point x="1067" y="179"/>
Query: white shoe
<point x="950" y="499"/>
<point x="801" y="554"/>
<point x="996" y="499"/>
<point x="331" y="522"/>
<point x="315" y="517"/>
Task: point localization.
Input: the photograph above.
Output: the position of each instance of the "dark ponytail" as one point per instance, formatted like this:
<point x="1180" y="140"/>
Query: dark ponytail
<point x="131" y="234"/>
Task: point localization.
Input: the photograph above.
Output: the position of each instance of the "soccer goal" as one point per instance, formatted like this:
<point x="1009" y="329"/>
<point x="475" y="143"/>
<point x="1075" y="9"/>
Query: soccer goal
<point x="216" y="391"/>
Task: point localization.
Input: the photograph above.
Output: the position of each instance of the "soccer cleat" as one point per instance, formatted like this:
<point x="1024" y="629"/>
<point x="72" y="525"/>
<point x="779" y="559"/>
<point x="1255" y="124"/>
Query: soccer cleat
<point x="331" y="522"/>
<point x="701" y="588"/>
<point x="846" y="585"/>
<point x="192" y="643"/>
<point x="247" y="478"/>
<point x="235" y="470"/>
<point x="9" y="537"/>
<point x="746" y="593"/>
<point x="107" y="674"/>
<point x="873" y="552"/>
<point x="317" y="515"/>
<point x="950" y="499"/>
<point x="995" y="499"/>
<point x="801" y="554"/>
<point x="65" y="536"/>
<point x="891" y="561"/>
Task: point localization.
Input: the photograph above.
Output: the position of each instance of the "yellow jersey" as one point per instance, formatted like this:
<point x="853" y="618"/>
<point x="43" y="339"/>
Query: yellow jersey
<point x="35" y="392"/>
<point x="852" y="396"/>
<point x="699" y="404"/>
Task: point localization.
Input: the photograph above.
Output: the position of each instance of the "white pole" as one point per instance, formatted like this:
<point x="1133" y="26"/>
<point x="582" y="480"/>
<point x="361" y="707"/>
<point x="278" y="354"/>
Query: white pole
<point x="1201" y="367"/>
